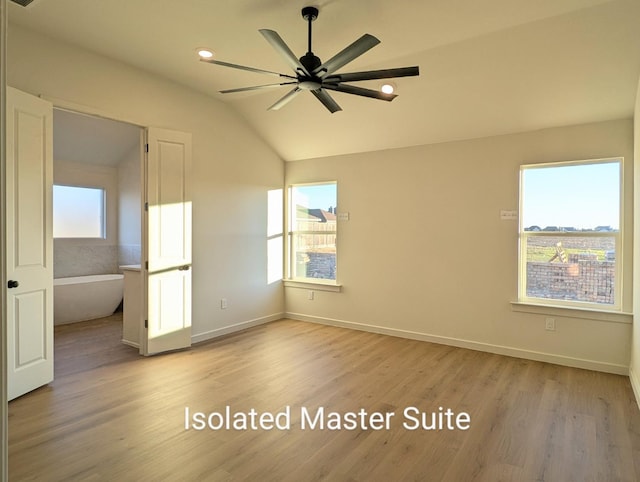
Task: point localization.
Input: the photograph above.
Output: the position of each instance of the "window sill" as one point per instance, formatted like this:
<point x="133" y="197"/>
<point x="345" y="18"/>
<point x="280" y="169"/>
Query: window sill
<point x="572" y="312"/>
<point x="316" y="285"/>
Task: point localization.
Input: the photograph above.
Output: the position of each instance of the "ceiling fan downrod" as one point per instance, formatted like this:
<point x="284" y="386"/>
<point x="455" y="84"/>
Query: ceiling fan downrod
<point x="309" y="60"/>
<point x="310" y="14"/>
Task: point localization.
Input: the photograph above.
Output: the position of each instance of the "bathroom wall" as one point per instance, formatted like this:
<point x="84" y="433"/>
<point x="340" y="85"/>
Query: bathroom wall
<point x="78" y="257"/>
<point x="130" y="207"/>
<point x="92" y="151"/>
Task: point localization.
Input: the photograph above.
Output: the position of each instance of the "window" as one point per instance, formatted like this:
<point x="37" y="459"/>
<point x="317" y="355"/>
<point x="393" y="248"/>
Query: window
<point x="78" y="212"/>
<point x="570" y="236"/>
<point x="312" y="231"/>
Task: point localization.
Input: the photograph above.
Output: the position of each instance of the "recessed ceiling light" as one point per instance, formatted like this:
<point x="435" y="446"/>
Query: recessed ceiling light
<point x="205" y="53"/>
<point x="388" y="88"/>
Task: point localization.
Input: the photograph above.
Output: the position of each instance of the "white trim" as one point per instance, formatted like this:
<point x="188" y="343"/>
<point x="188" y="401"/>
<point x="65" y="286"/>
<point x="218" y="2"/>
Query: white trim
<point x="131" y="343"/>
<point x="580" y="162"/>
<point x="635" y="384"/>
<point x="471" y="345"/>
<point x="243" y="325"/>
<point x="572" y="312"/>
<point x="315" y="285"/>
<point x="81" y="109"/>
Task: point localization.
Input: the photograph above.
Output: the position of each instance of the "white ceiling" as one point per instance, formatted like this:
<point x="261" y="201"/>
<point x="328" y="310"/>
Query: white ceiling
<point x="94" y="140"/>
<point x="486" y="67"/>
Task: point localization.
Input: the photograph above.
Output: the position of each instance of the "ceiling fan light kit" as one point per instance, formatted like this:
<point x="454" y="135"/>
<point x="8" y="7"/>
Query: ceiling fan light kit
<point x="388" y="88"/>
<point x="311" y="74"/>
<point x="205" y="53"/>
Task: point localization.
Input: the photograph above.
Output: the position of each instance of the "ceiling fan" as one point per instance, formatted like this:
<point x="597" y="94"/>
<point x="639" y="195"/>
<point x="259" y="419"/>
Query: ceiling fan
<point x="317" y="77"/>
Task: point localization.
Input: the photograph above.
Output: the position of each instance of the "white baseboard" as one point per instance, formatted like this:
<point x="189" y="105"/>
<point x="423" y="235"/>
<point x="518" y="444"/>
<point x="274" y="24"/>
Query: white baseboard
<point x="131" y="343"/>
<point x="243" y="325"/>
<point x="472" y="345"/>
<point x="635" y="384"/>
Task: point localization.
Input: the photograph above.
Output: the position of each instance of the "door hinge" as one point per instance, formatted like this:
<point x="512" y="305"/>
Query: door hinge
<point x="146" y="147"/>
<point x="146" y="265"/>
<point x="146" y="206"/>
<point x="146" y="323"/>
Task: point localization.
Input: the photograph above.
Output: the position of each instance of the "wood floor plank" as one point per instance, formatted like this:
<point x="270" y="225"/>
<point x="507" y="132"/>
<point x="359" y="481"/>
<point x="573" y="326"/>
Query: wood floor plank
<point x="112" y="415"/>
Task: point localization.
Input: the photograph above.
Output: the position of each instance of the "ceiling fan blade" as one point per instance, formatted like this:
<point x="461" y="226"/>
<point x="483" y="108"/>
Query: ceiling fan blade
<point x="283" y="49"/>
<point x="327" y="100"/>
<point x="350" y="89"/>
<point x="244" y="67"/>
<point x="373" y="74"/>
<point x="286" y="99"/>
<point x="342" y="58"/>
<point x="256" y="87"/>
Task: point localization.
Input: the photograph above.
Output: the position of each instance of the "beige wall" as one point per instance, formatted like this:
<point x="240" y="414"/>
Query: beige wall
<point x="635" y="348"/>
<point x="232" y="168"/>
<point x="129" y="199"/>
<point x="426" y="255"/>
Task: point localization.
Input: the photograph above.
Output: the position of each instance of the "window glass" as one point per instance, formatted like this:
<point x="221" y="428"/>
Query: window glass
<point x="78" y="212"/>
<point x="573" y="197"/>
<point x="570" y="233"/>
<point x="313" y="231"/>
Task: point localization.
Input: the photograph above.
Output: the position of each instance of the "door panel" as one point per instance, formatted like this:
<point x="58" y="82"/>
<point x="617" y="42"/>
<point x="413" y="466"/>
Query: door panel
<point x="31" y="346"/>
<point x="170" y="310"/>
<point x="29" y="242"/>
<point x="168" y="241"/>
<point x="169" y="163"/>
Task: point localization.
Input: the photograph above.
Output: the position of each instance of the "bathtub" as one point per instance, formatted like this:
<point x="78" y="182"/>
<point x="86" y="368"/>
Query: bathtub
<point x="86" y="297"/>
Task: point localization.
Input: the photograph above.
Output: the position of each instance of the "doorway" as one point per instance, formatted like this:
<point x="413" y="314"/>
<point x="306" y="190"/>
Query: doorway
<point x="97" y="201"/>
<point x="161" y="233"/>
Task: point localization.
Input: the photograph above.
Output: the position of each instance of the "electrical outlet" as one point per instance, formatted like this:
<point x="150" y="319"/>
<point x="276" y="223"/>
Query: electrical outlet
<point x="550" y="324"/>
<point x="310" y="295"/>
<point x="223" y="303"/>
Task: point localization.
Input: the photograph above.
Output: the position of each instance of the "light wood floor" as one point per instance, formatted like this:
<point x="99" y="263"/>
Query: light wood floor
<point x="111" y="415"/>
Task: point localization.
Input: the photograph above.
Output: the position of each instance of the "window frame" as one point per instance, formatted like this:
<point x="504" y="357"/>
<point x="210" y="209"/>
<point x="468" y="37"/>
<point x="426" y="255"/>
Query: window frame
<point x="299" y="281"/>
<point x="103" y="216"/>
<point x="524" y="236"/>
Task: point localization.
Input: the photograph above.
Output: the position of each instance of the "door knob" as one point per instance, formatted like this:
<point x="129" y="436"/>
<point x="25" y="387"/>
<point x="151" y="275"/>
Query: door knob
<point x="13" y="284"/>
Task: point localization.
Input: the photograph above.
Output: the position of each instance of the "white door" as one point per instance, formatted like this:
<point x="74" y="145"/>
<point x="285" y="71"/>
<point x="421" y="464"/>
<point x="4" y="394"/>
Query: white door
<point x="29" y="244"/>
<point x="167" y="242"/>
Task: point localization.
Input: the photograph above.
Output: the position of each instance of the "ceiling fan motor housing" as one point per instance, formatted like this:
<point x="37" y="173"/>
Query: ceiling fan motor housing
<point x="310" y="62"/>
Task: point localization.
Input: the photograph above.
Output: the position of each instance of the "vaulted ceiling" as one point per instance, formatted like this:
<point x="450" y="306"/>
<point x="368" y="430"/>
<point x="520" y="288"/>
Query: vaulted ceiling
<point x="487" y="67"/>
<point x="94" y="140"/>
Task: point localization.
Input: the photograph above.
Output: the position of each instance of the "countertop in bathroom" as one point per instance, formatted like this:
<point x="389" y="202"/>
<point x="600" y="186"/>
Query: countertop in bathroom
<point x="130" y="267"/>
